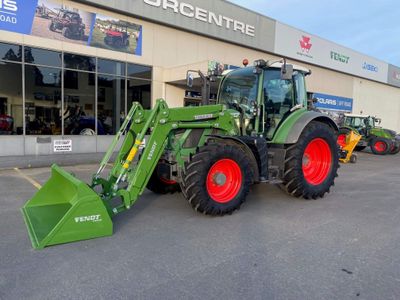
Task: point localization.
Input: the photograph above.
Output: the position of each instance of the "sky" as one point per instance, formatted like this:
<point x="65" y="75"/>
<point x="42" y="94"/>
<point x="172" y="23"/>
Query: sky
<point x="371" y="27"/>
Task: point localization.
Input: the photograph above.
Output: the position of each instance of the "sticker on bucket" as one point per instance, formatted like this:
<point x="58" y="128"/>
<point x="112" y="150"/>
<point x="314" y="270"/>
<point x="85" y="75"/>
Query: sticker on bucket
<point x="94" y="218"/>
<point x="62" y="146"/>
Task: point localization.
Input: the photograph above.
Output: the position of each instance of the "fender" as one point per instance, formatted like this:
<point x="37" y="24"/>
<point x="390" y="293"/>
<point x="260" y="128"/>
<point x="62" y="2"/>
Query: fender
<point x="290" y="131"/>
<point x="244" y="146"/>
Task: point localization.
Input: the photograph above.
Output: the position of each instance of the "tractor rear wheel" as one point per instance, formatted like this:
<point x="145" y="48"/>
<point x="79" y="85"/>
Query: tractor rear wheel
<point x="160" y="184"/>
<point x="217" y="179"/>
<point x="311" y="164"/>
<point x="380" y="146"/>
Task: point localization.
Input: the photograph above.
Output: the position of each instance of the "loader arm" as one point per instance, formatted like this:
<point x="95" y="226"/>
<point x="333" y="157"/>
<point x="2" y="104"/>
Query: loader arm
<point x="132" y="170"/>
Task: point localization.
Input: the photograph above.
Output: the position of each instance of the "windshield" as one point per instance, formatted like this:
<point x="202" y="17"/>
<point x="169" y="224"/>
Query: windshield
<point x="239" y="89"/>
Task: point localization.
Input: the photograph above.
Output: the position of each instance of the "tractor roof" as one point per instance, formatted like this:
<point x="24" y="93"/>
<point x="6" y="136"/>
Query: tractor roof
<point x="295" y="67"/>
<point x="356" y="116"/>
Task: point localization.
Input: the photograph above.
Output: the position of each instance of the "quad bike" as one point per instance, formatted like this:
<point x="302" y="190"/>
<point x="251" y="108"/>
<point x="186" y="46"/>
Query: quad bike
<point x="117" y="36"/>
<point x="259" y="132"/>
<point x="69" y="23"/>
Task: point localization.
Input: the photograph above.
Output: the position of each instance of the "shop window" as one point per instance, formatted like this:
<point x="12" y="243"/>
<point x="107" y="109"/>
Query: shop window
<point x="139" y="71"/>
<point x="106" y="66"/>
<point x="43" y="57"/>
<point x="79" y="62"/>
<point x="42" y="100"/>
<point x="11" y="114"/>
<point x="139" y="91"/>
<point x="79" y="105"/>
<point x="10" y="52"/>
<point x="111" y="103"/>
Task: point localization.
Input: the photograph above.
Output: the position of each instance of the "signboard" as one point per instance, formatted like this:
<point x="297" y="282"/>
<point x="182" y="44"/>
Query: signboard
<point x="218" y="19"/>
<point x="335" y="103"/>
<point x="394" y="75"/>
<point x="297" y="44"/>
<point x="62" y="146"/>
<point x="66" y="23"/>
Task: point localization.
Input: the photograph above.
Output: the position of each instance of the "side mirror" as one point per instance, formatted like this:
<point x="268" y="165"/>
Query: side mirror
<point x="189" y="79"/>
<point x="286" y="72"/>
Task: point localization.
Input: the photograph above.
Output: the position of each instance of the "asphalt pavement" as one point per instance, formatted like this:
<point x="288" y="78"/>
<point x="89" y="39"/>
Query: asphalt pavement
<point x="345" y="246"/>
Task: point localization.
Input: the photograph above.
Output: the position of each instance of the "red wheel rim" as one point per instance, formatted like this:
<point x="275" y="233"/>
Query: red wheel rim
<point x="380" y="146"/>
<point x="224" y="180"/>
<point x="317" y="161"/>
<point x="341" y="140"/>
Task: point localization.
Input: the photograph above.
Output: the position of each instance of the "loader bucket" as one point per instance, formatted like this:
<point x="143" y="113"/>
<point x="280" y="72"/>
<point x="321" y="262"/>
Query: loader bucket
<point x="65" y="210"/>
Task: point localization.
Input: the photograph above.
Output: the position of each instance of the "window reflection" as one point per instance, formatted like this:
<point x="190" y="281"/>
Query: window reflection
<point x="10" y="52"/>
<point x="79" y="106"/>
<point x="139" y="71"/>
<point x="79" y="62"/>
<point x="42" y="100"/>
<point x="42" y="57"/>
<point x="139" y="91"/>
<point x="11" y="115"/>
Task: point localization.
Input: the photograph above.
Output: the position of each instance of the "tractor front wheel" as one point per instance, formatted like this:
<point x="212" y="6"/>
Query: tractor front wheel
<point x="380" y="146"/>
<point x="395" y="148"/>
<point x="217" y="179"/>
<point x="311" y="164"/>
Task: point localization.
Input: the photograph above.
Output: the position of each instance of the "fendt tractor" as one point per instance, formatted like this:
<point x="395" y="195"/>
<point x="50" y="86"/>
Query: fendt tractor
<point x="260" y="131"/>
<point x="381" y="140"/>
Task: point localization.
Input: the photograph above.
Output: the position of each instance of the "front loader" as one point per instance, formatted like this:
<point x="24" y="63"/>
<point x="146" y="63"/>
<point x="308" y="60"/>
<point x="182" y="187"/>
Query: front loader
<point x="259" y="132"/>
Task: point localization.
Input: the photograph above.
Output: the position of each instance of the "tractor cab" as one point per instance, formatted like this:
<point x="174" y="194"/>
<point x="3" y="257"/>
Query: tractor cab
<point x="265" y="95"/>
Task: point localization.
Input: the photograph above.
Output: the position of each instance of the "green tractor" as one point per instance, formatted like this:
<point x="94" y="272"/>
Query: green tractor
<point x="261" y="131"/>
<point x="381" y="141"/>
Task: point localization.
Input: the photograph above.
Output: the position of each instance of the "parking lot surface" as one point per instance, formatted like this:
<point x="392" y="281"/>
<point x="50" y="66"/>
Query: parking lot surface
<point x="345" y="246"/>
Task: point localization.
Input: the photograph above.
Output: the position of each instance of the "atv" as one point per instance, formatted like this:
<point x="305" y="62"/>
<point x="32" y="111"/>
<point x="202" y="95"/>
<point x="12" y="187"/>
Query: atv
<point x="117" y="36"/>
<point x="381" y="141"/>
<point x="70" y="23"/>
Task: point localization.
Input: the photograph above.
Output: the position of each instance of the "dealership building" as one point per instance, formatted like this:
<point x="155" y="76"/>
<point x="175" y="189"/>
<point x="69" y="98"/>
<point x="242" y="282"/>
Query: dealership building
<point x="70" y="70"/>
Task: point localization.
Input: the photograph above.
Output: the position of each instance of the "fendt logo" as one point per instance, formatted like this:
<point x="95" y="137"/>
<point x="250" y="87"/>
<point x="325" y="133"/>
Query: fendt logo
<point x="84" y="219"/>
<point x="305" y="44"/>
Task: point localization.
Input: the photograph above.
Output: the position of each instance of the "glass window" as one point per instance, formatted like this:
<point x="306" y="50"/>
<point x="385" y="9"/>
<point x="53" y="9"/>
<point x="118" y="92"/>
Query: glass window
<point x="11" y="114"/>
<point x="301" y="94"/>
<point x="110" y="67"/>
<point x="139" y="71"/>
<point x="79" y="105"/>
<point x="111" y="103"/>
<point x="139" y="91"/>
<point x="42" y="57"/>
<point x="10" y="52"/>
<point x="42" y="100"/>
<point x="79" y="62"/>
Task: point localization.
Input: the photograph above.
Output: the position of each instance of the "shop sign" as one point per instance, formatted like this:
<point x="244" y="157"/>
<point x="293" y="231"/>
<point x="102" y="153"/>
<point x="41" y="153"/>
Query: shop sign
<point x="336" y="103"/>
<point x="66" y="23"/>
<point x="340" y="57"/>
<point x="370" y="67"/>
<point x="17" y="15"/>
<point x="203" y="15"/>
<point x="305" y="46"/>
<point x="62" y="146"/>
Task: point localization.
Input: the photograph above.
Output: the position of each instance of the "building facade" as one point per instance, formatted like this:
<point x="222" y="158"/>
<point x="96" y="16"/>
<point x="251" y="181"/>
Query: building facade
<point x="70" y="70"/>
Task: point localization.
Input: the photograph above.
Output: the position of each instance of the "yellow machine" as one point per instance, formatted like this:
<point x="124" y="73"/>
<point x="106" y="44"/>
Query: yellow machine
<point x="348" y="142"/>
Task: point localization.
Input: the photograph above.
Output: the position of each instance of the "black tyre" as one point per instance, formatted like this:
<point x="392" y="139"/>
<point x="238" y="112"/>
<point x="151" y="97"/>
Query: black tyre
<point x="380" y="146"/>
<point x="66" y="32"/>
<point x="217" y="179"/>
<point x="360" y="148"/>
<point x="52" y="27"/>
<point x="159" y="182"/>
<point x="311" y="164"/>
<point x="395" y="148"/>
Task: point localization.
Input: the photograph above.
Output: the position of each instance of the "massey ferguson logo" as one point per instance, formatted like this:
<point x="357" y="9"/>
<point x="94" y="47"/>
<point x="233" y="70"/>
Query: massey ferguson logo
<point x="396" y="75"/>
<point x="305" y="45"/>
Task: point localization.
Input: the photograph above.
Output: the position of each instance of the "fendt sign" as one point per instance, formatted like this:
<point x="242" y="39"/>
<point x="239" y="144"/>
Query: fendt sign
<point x="203" y="15"/>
